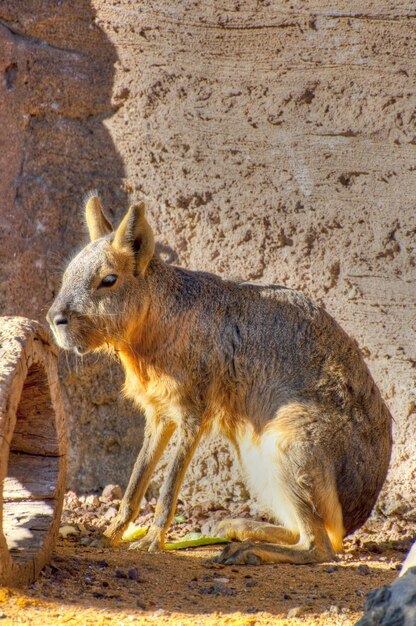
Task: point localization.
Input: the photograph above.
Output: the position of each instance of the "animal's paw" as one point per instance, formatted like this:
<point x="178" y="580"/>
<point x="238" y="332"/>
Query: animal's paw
<point x="153" y="541"/>
<point x="239" y="554"/>
<point x="115" y="530"/>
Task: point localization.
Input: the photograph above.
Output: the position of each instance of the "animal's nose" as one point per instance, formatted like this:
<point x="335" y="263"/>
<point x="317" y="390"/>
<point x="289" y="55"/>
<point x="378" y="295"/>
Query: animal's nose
<point x="57" y="316"/>
<point x="60" y="319"/>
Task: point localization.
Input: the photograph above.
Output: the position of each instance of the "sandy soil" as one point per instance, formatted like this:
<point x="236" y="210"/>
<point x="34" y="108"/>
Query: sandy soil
<point x="90" y="585"/>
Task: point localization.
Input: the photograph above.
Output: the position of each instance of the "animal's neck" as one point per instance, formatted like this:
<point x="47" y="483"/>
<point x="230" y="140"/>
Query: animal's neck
<point x="150" y="337"/>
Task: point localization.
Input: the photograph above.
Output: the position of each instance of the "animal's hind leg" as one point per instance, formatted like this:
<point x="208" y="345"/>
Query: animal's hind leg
<point x="313" y="546"/>
<point x="242" y="529"/>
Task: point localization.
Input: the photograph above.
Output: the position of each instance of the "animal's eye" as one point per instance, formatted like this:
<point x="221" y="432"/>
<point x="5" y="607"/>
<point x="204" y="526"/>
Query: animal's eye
<point x="108" y="281"/>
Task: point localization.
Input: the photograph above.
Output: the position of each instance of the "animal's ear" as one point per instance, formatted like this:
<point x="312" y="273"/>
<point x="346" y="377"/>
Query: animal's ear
<point x="97" y="222"/>
<point x="134" y="235"/>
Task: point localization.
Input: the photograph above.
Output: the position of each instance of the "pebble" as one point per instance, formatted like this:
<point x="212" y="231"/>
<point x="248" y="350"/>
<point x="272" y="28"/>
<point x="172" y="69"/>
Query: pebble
<point x="373" y="547"/>
<point x="296" y="611"/>
<point x="133" y="574"/>
<point x="92" y="501"/>
<point x="330" y="569"/>
<point x="66" y="531"/>
<point x="217" y="590"/>
<point x="112" y="492"/>
<point x="120" y="574"/>
<point x="110" y="513"/>
<point x="363" y="569"/>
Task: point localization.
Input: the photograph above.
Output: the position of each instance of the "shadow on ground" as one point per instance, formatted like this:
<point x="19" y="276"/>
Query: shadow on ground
<point x="84" y="584"/>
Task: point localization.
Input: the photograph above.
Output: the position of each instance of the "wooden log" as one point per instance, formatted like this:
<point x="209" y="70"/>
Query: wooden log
<point x="32" y="450"/>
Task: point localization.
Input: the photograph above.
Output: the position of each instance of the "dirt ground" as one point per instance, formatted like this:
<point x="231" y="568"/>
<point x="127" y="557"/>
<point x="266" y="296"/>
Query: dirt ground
<point x="95" y="586"/>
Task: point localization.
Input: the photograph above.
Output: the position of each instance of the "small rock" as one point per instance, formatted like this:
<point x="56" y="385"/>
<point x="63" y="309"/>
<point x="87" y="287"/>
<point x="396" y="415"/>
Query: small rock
<point x="133" y="573"/>
<point x="334" y="609"/>
<point x="251" y="583"/>
<point x="71" y="500"/>
<point x="363" y="569"/>
<point x="330" y="569"/>
<point x="120" y="574"/>
<point x="2" y="615"/>
<point x="296" y="611"/>
<point x="66" y="531"/>
<point x="373" y="547"/>
<point x="112" y="492"/>
<point x="222" y="579"/>
<point x="217" y="589"/>
<point x="92" y="501"/>
<point x="110" y="513"/>
<point x="102" y="564"/>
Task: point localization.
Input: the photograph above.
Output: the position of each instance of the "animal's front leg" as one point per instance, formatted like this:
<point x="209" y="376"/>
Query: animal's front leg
<point x="154" y="540"/>
<point x="155" y="440"/>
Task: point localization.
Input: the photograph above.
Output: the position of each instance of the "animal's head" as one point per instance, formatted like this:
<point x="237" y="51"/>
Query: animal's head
<point x="105" y="283"/>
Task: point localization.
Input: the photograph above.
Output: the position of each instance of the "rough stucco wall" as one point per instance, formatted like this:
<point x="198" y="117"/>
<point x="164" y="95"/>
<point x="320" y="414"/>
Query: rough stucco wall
<point x="57" y="72"/>
<point x="272" y="141"/>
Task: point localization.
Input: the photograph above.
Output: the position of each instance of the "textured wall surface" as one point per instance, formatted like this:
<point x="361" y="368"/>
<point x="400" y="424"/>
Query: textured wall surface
<point x="272" y="141"/>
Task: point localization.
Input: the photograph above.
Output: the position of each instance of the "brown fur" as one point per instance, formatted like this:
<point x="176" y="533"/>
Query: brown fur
<point x="263" y="365"/>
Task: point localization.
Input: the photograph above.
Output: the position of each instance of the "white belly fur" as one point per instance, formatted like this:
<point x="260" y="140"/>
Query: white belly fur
<point x="260" y="459"/>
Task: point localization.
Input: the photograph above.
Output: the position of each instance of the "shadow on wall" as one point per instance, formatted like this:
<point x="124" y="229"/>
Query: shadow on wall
<point x="57" y="70"/>
<point x="57" y="89"/>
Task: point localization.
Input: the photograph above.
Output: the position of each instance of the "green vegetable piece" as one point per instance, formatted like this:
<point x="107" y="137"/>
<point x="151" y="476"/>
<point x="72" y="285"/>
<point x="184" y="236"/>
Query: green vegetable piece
<point x="134" y="532"/>
<point x="194" y="540"/>
<point x="191" y="540"/>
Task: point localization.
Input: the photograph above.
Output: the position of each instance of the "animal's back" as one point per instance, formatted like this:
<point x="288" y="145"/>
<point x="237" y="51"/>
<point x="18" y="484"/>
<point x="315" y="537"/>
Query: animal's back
<point x="279" y="349"/>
